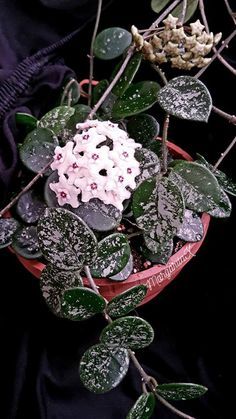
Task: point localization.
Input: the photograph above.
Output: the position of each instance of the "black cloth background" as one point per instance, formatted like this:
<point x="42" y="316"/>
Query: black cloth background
<point x="193" y="317"/>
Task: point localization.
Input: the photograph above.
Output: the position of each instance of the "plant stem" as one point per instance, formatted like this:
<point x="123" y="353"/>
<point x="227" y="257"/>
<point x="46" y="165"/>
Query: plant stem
<point x="162" y="16"/>
<point x="91" y="56"/>
<point x="172" y="408"/>
<point x="224" y="154"/>
<point x="220" y="58"/>
<point x="67" y="90"/>
<point x="164" y="145"/>
<point x="160" y="72"/>
<point x="136" y="233"/>
<point x="230" y="11"/>
<point x="90" y="279"/>
<point x="114" y="81"/>
<point x="25" y="189"/>
<point x="183" y="13"/>
<point x="138" y="366"/>
<point x="224" y="45"/>
<point x="230" y="118"/>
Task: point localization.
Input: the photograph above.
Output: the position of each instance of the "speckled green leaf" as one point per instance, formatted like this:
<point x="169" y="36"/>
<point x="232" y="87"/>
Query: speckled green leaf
<point x="192" y="229"/>
<point x="99" y="216"/>
<point x="111" y="43"/>
<point x="149" y="164"/>
<point x="143" y="408"/>
<point x="102" y="369"/>
<point x="26" y="120"/>
<point x="161" y="251"/>
<point x="30" y="206"/>
<point x="187" y="98"/>
<point x="191" y="9"/>
<point x="198" y="185"/>
<point x="137" y="98"/>
<point x="71" y="93"/>
<point x="113" y="255"/>
<point x="99" y="89"/>
<point x="81" y="303"/>
<point x="25" y="242"/>
<point x="144" y="204"/>
<point x="125" y="272"/>
<point x="224" y="207"/>
<point x="8" y="227"/>
<point x="143" y="128"/>
<point x="53" y="283"/>
<point x="158" y="5"/>
<point x="123" y="303"/>
<point x="65" y="240"/>
<point x="181" y="391"/>
<point x="224" y="181"/>
<point x="38" y="148"/>
<point x="80" y="114"/>
<point x="128" y="332"/>
<point x="56" y="119"/>
<point x="127" y="77"/>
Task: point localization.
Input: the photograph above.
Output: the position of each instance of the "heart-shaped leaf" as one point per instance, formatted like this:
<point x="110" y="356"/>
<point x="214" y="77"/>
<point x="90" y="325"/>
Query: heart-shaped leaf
<point x="25" y="243"/>
<point x="81" y="303"/>
<point x="30" y="206"/>
<point x="223" y="210"/>
<point x="162" y="251"/>
<point x="56" y="119"/>
<point x="65" y="240"/>
<point x="53" y="283"/>
<point x="26" y="120"/>
<point x="144" y="204"/>
<point x="149" y="164"/>
<point x="191" y="9"/>
<point x="99" y="216"/>
<point x="137" y="98"/>
<point x="192" y="229"/>
<point x="8" y="227"/>
<point x="102" y="369"/>
<point x="198" y="185"/>
<point x="143" y="128"/>
<point x="113" y="255"/>
<point x="128" y="332"/>
<point x="158" y="5"/>
<point x="38" y="148"/>
<point x="181" y="391"/>
<point x="127" y="77"/>
<point x="123" y="303"/>
<point x="111" y="43"/>
<point x="143" y="408"/>
<point x="125" y="272"/>
<point x="186" y="97"/>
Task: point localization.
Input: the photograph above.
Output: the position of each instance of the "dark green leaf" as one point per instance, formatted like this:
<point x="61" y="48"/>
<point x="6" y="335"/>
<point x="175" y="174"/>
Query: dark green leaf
<point x="186" y="97"/>
<point x="53" y="283"/>
<point x="143" y="128"/>
<point x="224" y="207"/>
<point x="158" y="5"/>
<point x="127" y="77"/>
<point x="38" y="148"/>
<point x="30" y="206"/>
<point x="65" y="239"/>
<point x="128" y="332"/>
<point x="162" y="251"/>
<point x="123" y="303"/>
<point x="111" y="43"/>
<point x="27" y="120"/>
<point x="8" y="227"/>
<point x="191" y="9"/>
<point x="143" y="408"/>
<point x="192" y="229"/>
<point x="113" y="255"/>
<point x="149" y="164"/>
<point x="198" y="185"/>
<point x="144" y="204"/>
<point x="137" y="98"/>
<point x="102" y="369"/>
<point x="71" y="93"/>
<point x="81" y="113"/>
<point x="99" y="216"/>
<point x="99" y="89"/>
<point x="181" y="391"/>
<point x="125" y="272"/>
<point x="56" y="119"/>
<point x="25" y="243"/>
<point x="81" y="303"/>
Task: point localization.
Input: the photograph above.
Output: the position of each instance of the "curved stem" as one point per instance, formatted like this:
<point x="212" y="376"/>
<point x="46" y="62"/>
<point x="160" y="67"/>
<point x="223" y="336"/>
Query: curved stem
<point x="230" y="118"/>
<point x="230" y="11"/>
<point x="67" y="90"/>
<point x="160" y="72"/>
<point x="172" y="408"/>
<point x="224" y="154"/>
<point x="183" y="13"/>
<point x="91" y="56"/>
<point x="90" y="279"/>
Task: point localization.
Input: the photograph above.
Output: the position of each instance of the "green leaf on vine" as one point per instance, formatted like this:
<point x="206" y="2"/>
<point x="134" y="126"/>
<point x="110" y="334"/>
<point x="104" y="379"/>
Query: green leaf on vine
<point x="191" y="9"/>
<point x="143" y="407"/>
<point x="158" y="5"/>
<point x="125" y="272"/>
<point x="8" y="227"/>
<point x="71" y="92"/>
<point x="81" y="303"/>
<point x="144" y="204"/>
<point x="224" y="207"/>
<point x="25" y="242"/>
<point x="181" y="391"/>
<point x="192" y="229"/>
<point x="99" y="89"/>
<point x="123" y="303"/>
<point x="155" y="251"/>
<point x="143" y="128"/>
<point x="30" y="206"/>
<point x="149" y="164"/>
<point x="56" y="119"/>
<point x="111" y="43"/>
<point x="127" y="77"/>
<point x="26" y="120"/>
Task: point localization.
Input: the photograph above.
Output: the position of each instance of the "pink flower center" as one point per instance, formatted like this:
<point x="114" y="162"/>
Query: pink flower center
<point x="129" y="170"/>
<point x="85" y="137"/>
<point x="93" y="186"/>
<point x="120" y="178"/>
<point x="95" y="156"/>
<point x="75" y="165"/>
<point x="63" y="194"/>
<point x="125" y="154"/>
<point x="59" y="156"/>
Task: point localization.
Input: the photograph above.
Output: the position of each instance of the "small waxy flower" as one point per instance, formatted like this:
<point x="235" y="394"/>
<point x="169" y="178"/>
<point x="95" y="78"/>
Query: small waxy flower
<point x="65" y="193"/>
<point x="197" y="27"/>
<point x="170" y="22"/>
<point x="62" y="158"/>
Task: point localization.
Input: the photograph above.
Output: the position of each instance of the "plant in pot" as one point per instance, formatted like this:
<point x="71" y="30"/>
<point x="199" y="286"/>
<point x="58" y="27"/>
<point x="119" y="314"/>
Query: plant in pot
<point x="114" y="211"/>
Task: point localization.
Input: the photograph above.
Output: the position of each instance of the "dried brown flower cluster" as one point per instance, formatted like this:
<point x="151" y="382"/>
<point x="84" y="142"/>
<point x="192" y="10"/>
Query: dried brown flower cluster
<point x="185" y="47"/>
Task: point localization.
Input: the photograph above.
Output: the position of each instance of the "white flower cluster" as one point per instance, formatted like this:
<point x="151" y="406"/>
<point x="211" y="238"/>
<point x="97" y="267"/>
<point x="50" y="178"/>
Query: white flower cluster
<point x="98" y="163"/>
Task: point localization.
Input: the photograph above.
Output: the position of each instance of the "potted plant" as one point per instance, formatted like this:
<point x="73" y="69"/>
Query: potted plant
<point x="114" y="212"/>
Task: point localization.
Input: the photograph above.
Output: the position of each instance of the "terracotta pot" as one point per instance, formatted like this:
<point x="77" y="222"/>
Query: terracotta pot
<point x="157" y="277"/>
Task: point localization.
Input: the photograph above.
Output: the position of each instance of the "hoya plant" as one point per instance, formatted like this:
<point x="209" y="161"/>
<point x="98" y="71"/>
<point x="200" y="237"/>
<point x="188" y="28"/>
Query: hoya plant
<point x="108" y="197"/>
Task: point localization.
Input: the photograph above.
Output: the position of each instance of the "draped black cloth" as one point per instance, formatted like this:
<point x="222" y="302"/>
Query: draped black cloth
<point x="193" y="317"/>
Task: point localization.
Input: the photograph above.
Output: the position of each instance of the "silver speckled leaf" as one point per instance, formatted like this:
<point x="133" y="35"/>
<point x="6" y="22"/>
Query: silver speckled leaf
<point x="123" y="303"/>
<point x="81" y="303"/>
<point x="143" y="407"/>
<point x="192" y="229"/>
<point x="8" y="226"/>
<point x="181" y="391"/>
<point x="56" y="119"/>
